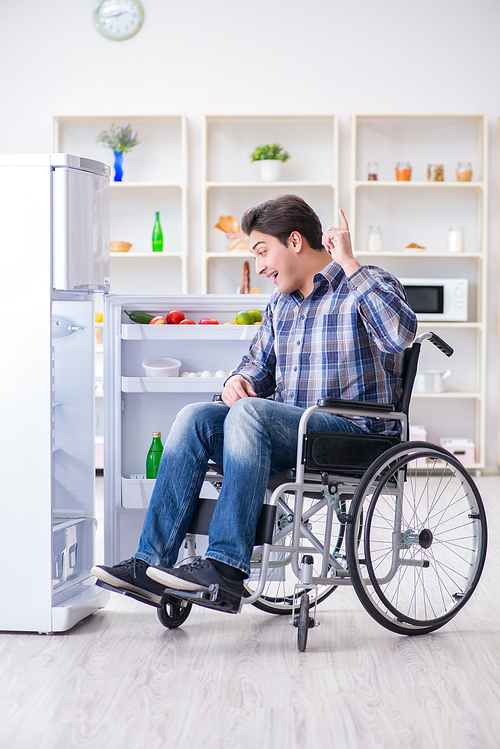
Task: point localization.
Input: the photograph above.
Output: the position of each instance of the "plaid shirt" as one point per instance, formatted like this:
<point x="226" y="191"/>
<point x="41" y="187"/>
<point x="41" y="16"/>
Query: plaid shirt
<point x="345" y="340"/>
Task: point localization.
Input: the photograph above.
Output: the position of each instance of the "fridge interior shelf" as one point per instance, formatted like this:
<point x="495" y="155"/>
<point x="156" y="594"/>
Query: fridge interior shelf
<point x="172" y="384"/>
<point x="136" y="332"/>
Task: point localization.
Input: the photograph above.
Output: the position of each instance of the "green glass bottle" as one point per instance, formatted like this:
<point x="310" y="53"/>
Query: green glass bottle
<point x="157" y="235"/>
<point x="154" y="456"/>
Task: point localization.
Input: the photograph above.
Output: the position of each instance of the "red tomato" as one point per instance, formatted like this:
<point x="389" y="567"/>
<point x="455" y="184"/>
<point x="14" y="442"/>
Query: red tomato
<point x="187" y="321"/>
<point x="175" y="317"/>
<point x="158" y="320"/>
<point x="208" y="321"/>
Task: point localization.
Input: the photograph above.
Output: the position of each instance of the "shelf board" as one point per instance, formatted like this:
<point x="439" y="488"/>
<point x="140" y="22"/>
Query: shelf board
<point x="421" y="254"/>
<point x="394" y="184"/>
<point x="172" y="384"/>
<point x="419" y="116"/>
<point x="136" y="332"/>
<point x="448" y="394"/>
<point x="281" y="183"/>
<point x="229" y="253"/>
<point x="146" y="255"/>
<point x="449" y="324"/>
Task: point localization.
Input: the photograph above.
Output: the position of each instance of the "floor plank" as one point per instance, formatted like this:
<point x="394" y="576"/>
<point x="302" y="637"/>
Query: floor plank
<point x="120" y="680"/>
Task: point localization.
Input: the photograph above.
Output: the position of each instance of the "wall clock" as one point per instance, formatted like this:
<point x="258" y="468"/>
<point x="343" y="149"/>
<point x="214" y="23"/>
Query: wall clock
<point x="118" y="19"/>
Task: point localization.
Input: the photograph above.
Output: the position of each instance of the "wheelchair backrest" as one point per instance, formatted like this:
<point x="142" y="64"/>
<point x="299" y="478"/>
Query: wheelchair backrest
<point x="410" y="364"/>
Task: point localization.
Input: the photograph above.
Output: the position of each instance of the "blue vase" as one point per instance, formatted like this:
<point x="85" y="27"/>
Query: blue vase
<point x="118" y="166"/>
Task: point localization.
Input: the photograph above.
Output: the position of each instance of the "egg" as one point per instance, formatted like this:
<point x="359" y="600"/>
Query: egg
<point x="220" y="373"/>
<point x="207" y="373"/>
<point x="192" y="374"/>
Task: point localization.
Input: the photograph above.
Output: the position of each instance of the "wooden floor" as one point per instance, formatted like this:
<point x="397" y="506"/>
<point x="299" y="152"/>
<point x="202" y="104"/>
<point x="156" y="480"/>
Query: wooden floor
<point x="119" y="680"/>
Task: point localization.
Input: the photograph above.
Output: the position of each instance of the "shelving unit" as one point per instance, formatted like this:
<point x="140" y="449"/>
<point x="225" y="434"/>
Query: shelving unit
<point x="231" y="183"/>
<point x="421" y="212"/>
<point x="155" y="179"/>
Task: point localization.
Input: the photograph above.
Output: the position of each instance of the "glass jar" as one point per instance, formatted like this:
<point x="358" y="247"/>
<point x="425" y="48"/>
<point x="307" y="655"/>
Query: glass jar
<point x="435" y="173"/>
<point x="403" y="171"/>
<point x="374" y="239"/>
<point x="455" y="239"/>
<point x="372" y="171"/>
<point x="464" y="171"/>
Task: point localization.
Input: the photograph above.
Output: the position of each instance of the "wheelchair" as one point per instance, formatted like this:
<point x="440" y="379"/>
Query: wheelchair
<point x="400" y="521"/>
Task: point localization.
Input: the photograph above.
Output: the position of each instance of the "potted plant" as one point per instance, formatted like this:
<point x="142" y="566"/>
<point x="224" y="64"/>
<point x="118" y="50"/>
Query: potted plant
<point x="270" y="157"/>
<point x="121" y="140"/>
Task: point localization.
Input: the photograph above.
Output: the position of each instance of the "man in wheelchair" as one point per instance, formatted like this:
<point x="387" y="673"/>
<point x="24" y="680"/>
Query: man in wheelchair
<point x="332" y="328"/>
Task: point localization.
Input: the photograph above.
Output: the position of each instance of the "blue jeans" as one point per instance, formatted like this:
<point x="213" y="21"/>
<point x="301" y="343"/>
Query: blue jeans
<point x="251" y="440"/>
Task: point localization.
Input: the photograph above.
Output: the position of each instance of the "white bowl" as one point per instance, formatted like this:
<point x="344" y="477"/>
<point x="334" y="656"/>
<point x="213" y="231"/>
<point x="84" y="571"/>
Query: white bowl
<point x="162" y="367"/>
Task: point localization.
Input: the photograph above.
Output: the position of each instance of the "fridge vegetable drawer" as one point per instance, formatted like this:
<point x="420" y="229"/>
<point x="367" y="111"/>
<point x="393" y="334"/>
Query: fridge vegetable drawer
<point x="136" y="492"/>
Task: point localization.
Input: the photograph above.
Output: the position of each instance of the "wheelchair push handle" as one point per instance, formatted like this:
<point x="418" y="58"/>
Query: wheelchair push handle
<point x="437" y="341"/>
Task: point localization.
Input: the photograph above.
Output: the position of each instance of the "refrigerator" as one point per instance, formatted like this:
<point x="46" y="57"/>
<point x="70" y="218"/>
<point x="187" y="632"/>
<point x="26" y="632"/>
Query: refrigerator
<point x="54" y="240"/>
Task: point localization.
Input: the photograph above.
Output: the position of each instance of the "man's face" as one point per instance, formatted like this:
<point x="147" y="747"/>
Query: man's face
<point x="277" y="261"/>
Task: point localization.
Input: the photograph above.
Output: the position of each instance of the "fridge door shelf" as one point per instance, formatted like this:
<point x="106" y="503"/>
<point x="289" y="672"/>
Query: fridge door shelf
<point x="72" y="544"/>
<point x="136" y="332"/>
<point x="172" y="384"/>
<point x="136" y="492"/>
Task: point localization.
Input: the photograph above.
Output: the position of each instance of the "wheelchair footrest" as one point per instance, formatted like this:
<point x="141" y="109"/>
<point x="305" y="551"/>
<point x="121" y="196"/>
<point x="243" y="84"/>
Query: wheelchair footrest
<point x="212" y="597"/>
<point x="128" y="593"/>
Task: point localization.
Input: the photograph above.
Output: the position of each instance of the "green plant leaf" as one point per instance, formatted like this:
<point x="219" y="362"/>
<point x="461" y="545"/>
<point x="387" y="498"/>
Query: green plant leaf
<point x="119" y="139"/>
<point x="269" y="151"/>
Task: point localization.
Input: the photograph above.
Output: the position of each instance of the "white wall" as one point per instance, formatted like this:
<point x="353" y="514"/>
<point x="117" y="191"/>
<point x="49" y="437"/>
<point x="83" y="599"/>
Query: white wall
<point x="222" y="56"/>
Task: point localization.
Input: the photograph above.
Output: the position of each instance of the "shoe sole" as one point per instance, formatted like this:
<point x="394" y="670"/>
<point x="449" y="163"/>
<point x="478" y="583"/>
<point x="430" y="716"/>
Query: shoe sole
<point x="172" y="581"/>
<point x="110" y="579"/>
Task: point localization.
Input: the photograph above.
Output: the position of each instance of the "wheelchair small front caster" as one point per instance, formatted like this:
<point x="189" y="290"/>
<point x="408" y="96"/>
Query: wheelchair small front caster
<point x="303" y="621"/>
<point x="173" y="611"/>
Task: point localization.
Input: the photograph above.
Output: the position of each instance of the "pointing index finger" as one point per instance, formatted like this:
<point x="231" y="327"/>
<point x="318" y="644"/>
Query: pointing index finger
<point x="343" y="220"/>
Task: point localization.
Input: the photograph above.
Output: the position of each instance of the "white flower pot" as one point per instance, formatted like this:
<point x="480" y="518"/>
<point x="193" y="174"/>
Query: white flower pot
<point x="270" y="170"/>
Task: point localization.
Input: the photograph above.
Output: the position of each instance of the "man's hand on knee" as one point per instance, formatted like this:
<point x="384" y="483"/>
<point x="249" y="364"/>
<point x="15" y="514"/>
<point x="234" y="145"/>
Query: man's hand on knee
<point x="237" y="387"/>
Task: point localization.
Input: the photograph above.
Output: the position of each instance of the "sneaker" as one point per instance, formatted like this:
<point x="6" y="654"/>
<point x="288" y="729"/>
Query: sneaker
<point x="196" y="575"/>
<point x="130" y="575"/>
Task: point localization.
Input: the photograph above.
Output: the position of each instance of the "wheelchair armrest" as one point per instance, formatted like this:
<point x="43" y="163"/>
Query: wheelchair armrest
<point x="355" y="405"/>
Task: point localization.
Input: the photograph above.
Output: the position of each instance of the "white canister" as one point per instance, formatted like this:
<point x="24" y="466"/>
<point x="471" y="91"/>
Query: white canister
<point x="456" y="239"/>
<point x="374" y="239"/>
<point x="431" y="381"/>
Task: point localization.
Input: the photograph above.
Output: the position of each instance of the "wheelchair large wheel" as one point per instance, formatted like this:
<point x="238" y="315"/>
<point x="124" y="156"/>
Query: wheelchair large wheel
<point x="423" y="538"/>
<point x="277" y="596"/>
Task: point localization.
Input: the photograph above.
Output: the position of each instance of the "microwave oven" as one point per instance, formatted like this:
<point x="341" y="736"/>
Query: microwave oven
<point x="438" y="299"/>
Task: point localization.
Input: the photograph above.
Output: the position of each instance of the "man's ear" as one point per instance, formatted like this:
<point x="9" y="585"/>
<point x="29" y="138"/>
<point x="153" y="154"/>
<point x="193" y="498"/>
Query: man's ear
<point x="296" y="241"/>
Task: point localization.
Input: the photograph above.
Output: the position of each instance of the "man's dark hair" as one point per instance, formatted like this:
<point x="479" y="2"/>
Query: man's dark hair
<point x="281" y="216"/>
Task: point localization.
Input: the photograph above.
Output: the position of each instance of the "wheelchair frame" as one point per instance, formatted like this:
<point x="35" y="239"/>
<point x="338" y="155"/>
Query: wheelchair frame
<point x="412" y="520"/>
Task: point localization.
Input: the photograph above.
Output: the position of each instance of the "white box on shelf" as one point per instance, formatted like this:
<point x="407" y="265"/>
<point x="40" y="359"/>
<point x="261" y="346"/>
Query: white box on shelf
<point x="463" y="448"/>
